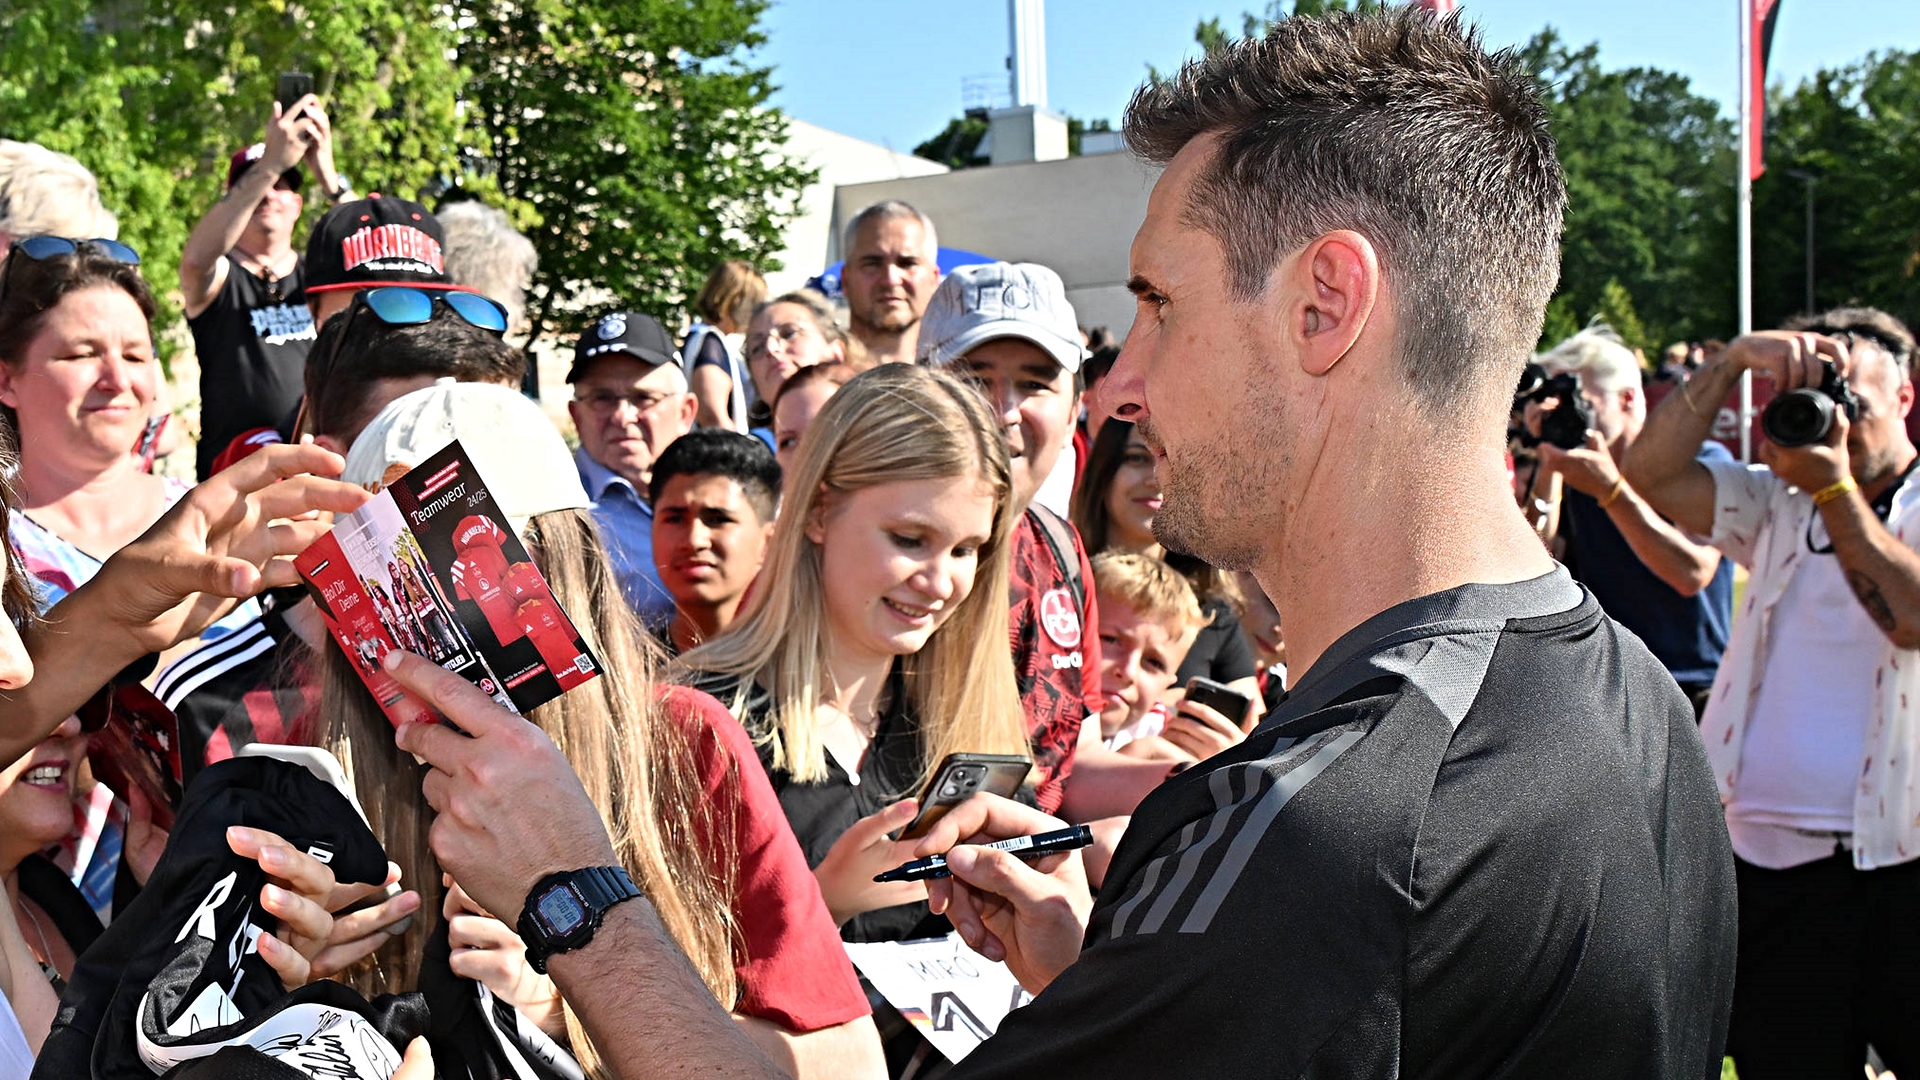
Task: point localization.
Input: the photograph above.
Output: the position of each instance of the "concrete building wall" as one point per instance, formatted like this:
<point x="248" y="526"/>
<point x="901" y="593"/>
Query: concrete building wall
<point x="1077" y="215"/>
<point x="841" y="159"/>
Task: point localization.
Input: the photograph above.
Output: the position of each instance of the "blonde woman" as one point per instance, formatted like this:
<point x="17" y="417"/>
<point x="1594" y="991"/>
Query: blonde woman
<point x="696" y="828"/>
<point x="875" y="642"/>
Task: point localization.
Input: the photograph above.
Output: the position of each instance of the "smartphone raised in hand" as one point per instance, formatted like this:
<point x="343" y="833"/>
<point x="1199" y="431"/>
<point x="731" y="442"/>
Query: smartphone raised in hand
<point x="959" y="778"/>
<point x="1221" y="698"/>
<point x="294" y="85"/>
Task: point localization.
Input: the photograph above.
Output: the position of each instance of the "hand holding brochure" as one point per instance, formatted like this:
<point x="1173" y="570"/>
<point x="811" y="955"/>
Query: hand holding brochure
<point x="433" y="567"/>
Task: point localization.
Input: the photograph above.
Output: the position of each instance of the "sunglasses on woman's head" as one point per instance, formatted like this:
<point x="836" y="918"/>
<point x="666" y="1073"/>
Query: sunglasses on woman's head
<point x="38" y="248"/>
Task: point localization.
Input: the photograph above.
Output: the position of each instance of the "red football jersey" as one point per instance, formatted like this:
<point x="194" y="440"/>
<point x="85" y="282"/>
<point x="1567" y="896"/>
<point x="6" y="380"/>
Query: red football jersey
<point x="554" y="639"/>
<point x="479" y="574"/>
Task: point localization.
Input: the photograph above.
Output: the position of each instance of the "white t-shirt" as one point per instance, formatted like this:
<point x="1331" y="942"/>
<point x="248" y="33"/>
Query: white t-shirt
<point x="16" y="1059"/>
<point x="1056" y="492"/>
<point x="1807" y="734"/>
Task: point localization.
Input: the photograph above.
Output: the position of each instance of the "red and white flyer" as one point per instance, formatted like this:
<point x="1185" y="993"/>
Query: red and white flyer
<point x="432" y="566"/>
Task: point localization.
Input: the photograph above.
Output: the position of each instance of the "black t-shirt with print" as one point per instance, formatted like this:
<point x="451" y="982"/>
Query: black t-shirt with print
<point x="1479" y="839"/>
<point x="252" y="344"/>
<point x="820" y="812"/>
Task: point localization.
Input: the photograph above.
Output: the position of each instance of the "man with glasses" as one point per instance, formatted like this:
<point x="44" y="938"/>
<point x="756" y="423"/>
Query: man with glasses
<point x="630" y="402"/>
<point x="1812" y="727"/>
<point x="242" y="282"/>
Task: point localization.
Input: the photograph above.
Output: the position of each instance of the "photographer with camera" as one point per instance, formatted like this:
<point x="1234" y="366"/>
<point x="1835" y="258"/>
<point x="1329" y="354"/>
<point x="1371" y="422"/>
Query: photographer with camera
<point x="1651" y="576"/>
<point x="1812" y="728"/>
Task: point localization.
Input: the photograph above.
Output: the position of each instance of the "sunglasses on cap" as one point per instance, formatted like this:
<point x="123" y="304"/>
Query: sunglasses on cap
<point x="403" y="305"/>
<point x="39" y="248"/>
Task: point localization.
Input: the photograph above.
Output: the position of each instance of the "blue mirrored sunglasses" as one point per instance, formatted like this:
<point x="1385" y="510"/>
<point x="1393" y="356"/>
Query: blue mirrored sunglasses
<point x="400" y="305"/>
<point x="52" y="247"/>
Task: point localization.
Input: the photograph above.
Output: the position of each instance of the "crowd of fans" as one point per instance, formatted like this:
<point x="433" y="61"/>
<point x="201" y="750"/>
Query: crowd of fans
<point x="1267" y="599"/>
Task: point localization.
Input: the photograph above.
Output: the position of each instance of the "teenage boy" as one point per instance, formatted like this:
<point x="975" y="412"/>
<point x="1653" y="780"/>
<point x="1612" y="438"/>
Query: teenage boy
<point x="1010" y="329"/>
<point x="714" y="496"/>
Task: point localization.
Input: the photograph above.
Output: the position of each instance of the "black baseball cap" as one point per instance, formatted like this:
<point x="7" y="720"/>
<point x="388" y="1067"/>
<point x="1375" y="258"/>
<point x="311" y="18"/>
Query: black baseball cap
<point x="376" y="241"/>
<point x="639" y="336"/>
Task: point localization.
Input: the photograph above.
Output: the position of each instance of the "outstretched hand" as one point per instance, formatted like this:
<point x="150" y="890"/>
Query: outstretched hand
<point x="230" y="538"/>
<point x="846" y="873"/>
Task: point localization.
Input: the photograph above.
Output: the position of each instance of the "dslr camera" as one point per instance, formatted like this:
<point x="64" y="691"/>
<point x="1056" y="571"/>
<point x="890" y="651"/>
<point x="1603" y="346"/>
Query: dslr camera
<point x="1803" y="417"/>
<point x="1567" y="423"/>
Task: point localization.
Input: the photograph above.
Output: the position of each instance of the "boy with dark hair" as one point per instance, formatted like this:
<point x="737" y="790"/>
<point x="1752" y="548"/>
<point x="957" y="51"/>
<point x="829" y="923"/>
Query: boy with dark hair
<point x="714" y="496"/>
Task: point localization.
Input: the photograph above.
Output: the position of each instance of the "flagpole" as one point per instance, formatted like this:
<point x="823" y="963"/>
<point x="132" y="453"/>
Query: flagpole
<point x="1743" y="188"/>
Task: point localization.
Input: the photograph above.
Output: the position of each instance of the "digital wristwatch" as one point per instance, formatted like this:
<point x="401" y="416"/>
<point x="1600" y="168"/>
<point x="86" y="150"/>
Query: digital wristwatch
<point x="564" y="909"/>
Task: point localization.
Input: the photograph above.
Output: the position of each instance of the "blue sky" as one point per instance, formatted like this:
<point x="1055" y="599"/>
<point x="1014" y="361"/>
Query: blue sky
<point x="892" y="71"/>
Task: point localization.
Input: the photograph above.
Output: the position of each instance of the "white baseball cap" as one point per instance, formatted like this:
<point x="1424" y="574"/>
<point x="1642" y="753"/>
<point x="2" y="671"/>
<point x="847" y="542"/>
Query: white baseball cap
<point x="976" y="304"/>
<point x="514" y="447"/>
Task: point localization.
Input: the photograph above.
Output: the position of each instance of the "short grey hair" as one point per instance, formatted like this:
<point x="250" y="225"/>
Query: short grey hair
<point x="1601" y="358"/>
<point x="45" y="192"/>
<point x="484" y="251"/>
<point x="886" y="210"/>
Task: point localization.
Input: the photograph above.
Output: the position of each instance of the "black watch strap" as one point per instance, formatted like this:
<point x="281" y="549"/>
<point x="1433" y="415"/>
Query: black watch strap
<point x="563" y="910"/>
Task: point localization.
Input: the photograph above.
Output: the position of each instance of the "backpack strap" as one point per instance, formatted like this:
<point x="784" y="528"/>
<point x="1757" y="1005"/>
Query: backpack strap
<point x="1063" y="542"/>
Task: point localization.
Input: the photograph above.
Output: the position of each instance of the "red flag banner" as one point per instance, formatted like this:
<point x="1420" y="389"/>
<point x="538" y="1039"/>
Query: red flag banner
<point x="1761" y="17"/>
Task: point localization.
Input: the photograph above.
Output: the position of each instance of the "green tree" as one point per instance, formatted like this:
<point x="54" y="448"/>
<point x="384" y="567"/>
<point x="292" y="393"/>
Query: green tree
<point x="1649" y="226"/>
<point x="1857" y="130"/>
<point x="957" y="146"/>
<point x="635" y="140"/>
<point x="153" y="97"/>
<point x="631" y="138"/>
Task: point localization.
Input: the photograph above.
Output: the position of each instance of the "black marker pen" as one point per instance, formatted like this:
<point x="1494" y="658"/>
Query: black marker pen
<point x="1026" y="847"/>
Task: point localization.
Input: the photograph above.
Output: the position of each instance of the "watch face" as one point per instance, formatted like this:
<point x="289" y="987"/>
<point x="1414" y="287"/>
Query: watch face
<point x="560" y="909"/>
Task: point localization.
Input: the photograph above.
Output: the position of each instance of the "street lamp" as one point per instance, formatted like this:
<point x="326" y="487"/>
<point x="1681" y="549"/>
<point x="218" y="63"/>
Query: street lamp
<point x="1809" y="179"/>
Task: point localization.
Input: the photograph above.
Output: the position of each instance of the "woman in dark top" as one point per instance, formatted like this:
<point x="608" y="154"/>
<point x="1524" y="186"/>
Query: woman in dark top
<point x="875" y="641"/>
<point x="1114" y="508"/>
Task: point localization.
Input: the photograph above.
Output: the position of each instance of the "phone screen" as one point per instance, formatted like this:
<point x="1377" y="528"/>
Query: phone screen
<point x="294" y="85"/>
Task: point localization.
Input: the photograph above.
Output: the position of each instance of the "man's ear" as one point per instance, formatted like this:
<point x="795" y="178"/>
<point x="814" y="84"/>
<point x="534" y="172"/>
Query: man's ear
<point x="329" y="442"/>
<point x="1336" y="286"/>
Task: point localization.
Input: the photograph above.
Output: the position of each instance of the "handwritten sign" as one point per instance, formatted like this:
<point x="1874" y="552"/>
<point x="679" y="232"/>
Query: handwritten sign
<point x="953" y="995"/>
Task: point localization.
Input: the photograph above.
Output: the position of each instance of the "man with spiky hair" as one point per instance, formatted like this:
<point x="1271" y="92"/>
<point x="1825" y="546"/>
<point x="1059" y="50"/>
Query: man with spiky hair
<point x="1480" y="836"/>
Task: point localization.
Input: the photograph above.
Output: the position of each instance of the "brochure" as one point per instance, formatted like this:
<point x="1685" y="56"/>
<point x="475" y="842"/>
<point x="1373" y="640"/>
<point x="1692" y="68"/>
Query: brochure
<point x="432" y="566"/>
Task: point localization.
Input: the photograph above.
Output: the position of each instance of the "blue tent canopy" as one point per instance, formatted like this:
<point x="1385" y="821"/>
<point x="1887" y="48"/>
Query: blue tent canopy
<point x="948" y="259"/>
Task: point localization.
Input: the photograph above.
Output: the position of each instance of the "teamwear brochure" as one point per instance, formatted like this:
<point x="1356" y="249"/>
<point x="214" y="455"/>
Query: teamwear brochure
<point x="432" y="566"/>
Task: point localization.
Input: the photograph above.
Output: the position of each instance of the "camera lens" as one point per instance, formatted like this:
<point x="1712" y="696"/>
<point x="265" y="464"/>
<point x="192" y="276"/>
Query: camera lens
<point x="950" y="789"/>
<point x="1798" y="418"/>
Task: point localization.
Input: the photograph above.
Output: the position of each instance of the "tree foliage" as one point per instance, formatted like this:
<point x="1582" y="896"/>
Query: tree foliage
<point x="631" y="139"/>
<point x="1856" y="129"/>
<point x="636" y="140"/>
<point x="1649" y="225"/>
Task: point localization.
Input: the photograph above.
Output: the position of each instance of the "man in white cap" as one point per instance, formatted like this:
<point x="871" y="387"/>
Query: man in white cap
<point x="1009" y="327"/>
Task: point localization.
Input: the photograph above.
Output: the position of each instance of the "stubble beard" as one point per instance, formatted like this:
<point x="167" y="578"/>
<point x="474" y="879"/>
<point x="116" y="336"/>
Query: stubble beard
<point x="884" y="319"/>
<point x="1220" y="500"/>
